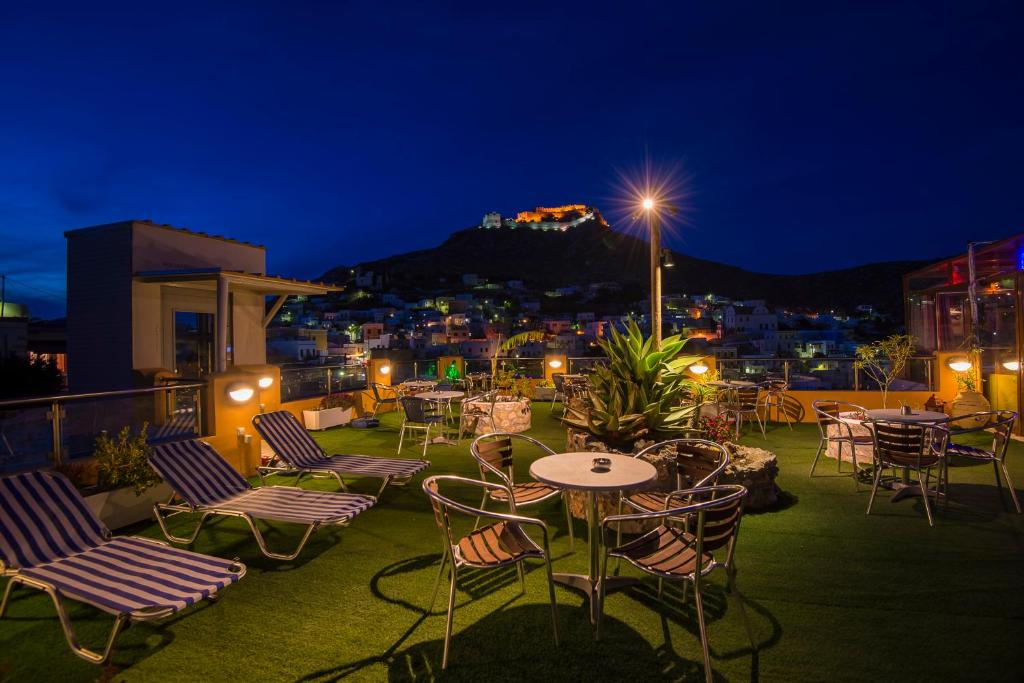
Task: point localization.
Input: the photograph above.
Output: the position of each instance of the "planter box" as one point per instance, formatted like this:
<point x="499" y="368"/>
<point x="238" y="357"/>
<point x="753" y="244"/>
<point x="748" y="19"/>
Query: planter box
<point x="121" y="507"/>
<point x="326" y="418"/>
<point x="509" y="416"/>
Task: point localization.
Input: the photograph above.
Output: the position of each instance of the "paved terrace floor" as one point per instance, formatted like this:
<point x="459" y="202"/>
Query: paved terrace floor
<point x="832" y="594"/>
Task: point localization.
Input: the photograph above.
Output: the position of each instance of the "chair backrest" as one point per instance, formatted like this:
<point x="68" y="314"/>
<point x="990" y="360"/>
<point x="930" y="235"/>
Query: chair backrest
<point x="905" y="444"/>
<point x="493" y="453"/>
<point x="197" y="472"/>
<point x="42" y="518"/>
<point x="443" y="387"/>
<point x="716" y="512"/>
<point x="439" y="503"/>
<point x="697" y="462"/>
<point x="1002" y="431"/>
<point x="415" y="408"/>
<point x="558" y="379"/>
<point x="747" y="396"/>
<point x="775" y="386"/>
<point x="1000" y="422"/>
<point x="289" y="439"/>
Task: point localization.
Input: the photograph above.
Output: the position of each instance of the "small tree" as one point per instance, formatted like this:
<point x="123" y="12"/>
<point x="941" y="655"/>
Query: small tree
<point x="884" y="360"/>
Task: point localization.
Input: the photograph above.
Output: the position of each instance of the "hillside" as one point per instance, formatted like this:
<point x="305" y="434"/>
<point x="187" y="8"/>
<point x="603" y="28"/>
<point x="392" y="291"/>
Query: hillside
<point x="592" y="253"/>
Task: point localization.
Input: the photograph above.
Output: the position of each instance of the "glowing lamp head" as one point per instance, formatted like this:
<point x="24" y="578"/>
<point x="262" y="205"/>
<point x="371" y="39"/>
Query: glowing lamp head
<point x="699" y="368"/>
<point x="648" y="203"/>
<point x="959" y="364"/>
<point x="239" y="392"/>
<point x="554" y="363"/>
<point x="1011" y="365"/>
<point x="265" y="382"/>
<point x="385" y="369"/>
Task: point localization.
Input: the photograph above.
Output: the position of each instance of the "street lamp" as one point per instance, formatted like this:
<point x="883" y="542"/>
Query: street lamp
<point x="655" y="222"/>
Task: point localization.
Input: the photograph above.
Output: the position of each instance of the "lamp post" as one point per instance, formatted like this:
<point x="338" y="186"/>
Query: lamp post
<point x="655" y="224"/>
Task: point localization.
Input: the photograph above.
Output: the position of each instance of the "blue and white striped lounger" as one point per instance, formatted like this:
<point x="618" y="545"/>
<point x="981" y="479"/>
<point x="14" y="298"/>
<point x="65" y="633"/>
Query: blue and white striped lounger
<point x="51" y="541"/>
<point x="296" y="450"/>
<point x="210" y="486"/>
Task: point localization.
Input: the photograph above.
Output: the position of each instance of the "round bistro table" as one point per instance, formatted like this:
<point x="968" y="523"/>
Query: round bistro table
<point x="573" y="471"/>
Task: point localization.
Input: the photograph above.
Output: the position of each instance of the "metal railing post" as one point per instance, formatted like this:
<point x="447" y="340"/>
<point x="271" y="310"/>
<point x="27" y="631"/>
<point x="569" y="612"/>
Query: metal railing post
<point x="55" y="415"/>
<point x="928" y="373"/>
<point x="328" y="381"/>
<point x="856" y="378"/>
<point x="785" y="371"/>
<point x="415" y="369"/>
<point x="198" y="401"/>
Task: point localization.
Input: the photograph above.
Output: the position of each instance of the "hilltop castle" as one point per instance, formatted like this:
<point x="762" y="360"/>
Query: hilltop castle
<point x="559" y="218"/>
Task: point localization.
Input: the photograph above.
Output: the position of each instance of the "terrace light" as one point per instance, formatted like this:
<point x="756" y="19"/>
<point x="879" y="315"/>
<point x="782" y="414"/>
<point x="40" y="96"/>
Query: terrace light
<point x="959" y="364"/>
<point x="265" y="382"/>
<point x="240" y="392"/>
<point x="699" y="368"/>
<point x="1011" y="365"/>
<point x="554" y="363"/>
<point x="385" y="369"/>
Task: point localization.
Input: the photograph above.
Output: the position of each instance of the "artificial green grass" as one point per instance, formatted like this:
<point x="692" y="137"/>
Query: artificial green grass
<point x="832" y="594"/>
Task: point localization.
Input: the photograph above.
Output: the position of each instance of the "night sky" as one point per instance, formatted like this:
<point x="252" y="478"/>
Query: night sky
<point x="813" y="135"/>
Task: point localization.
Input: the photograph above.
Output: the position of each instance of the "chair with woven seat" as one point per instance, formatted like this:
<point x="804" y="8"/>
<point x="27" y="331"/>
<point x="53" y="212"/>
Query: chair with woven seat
<point x="741" y="404"/>
<point x="208" y="485"/>
<point x="688" y="552"/>
<point x="383" y="395"/>
<point x="51" y="541"/>
<point x="296" y="451"/>
<point x="419" y="414"/>
<point x="827" y="414"/>
<point x="493" y="454"/>
<point x="694" y="462"/>
<point x="1000" y="422"/>
<point x="913" y="447"/>
<point x="501" y="543"/>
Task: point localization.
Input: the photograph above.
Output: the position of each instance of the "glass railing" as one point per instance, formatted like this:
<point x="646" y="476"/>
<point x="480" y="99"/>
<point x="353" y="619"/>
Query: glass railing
<point x="320" y="380"/>
<point x="49" y="430"/>
<point x="823" y="374"/>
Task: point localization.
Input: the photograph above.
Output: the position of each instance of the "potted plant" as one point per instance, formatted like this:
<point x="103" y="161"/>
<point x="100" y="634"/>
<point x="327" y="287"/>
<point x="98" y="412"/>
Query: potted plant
<point x="884" y="360"/>
<point x="126" y="486"/>
<point x="334" y="410"/>
<point x="968" y="399"/>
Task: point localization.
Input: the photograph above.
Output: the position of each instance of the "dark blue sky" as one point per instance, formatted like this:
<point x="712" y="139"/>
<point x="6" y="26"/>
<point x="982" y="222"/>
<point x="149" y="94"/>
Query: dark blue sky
<point x="815" y="135"/>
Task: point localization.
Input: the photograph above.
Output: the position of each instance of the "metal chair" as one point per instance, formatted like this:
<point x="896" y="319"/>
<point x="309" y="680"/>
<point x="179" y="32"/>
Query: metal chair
<point x="499" y="544"/>
<point x="743" y="402"/>
<point x="673" y="553"/>
<point x="493" y="453"/>
<point x="696" y="463"/>
<point x="476" y="409"/>
<point x="418" y="416"/>
<point x="827" y="414"/>
<point x="910" y="446"/>
<point x="774" y="395"/>
<point x="1001" y="424"/>
<point x="558" y="379"/>
<point x="379" y="399"/>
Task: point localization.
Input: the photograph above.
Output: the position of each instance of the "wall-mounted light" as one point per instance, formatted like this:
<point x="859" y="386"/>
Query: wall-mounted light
<point x="266" y="382"/>
<point x="699" y="368"/>
<point x="240" y="392"/>
<point x="554" y="363"/>
<point x="666" y="259"/>
<point x="959" y="364"/>
<point x="1011" y="365"/>
<point x="385" y="369"/>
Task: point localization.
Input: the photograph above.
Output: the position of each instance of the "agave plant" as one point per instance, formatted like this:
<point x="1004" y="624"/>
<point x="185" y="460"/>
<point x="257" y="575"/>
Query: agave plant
<point x="640" y="393"/>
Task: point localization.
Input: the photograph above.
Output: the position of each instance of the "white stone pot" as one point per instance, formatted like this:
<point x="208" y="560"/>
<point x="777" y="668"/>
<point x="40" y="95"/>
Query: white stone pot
<point x="328" y="417"/>
<point x="121" y="507"/>
<point x="513" y="415"/>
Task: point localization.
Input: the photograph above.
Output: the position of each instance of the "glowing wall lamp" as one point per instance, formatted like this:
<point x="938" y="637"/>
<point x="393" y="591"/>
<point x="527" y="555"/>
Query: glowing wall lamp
<point x="1011" y="365"/>
<point x="240" y="392"/>
<point x="265" y="382"/>
<point x="385" y="369"/>
<point x="699" y="368"/>
<point x="554" y="363"/>
<point x="959" y="364"/>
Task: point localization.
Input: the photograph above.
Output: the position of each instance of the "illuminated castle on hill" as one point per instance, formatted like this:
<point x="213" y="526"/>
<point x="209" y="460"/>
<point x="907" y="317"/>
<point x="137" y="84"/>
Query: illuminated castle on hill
<point x="559" y="218"/>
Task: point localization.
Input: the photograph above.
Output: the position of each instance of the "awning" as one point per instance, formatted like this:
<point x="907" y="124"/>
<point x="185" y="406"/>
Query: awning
<point x="207" y="278"/>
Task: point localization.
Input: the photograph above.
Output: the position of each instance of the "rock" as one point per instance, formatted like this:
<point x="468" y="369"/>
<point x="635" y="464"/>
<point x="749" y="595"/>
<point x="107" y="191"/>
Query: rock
<point x="756" y="469"/>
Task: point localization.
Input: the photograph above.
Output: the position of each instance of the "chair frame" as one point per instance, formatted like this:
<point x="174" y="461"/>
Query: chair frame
<point x="735" y="407"/>
<point x="927" y="453"/>
<point x="508" y="478"/>
<point x="733" y="492"/>
<point x="709" y="480"/>
<point x="378" y="400"/>
<point x="451" y="558"/>
<point x="1002" y="428"/>
<point x="487" y="398"/>
<point x="775" y="395"/>
<point x="424" y="426"/>
<point x="823" y="419"/>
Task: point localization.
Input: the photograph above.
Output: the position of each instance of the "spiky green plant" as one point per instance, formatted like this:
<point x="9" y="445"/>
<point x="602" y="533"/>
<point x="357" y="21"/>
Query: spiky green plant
<point x="640" y="392"/>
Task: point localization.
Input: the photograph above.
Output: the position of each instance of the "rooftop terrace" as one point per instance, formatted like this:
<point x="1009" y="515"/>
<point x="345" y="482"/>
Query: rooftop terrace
<point x="832" y="594"/>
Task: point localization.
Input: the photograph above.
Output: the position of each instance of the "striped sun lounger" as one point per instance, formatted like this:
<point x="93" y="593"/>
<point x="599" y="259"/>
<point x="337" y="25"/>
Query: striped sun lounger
<point x="296" y="451"/>
<point x="50" y="540"/>
<point x="208" y="485"/>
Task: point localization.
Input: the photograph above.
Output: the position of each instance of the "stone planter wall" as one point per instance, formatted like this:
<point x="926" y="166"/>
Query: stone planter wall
<point x="511" y="415"/>
<point x="326" y="418"/>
